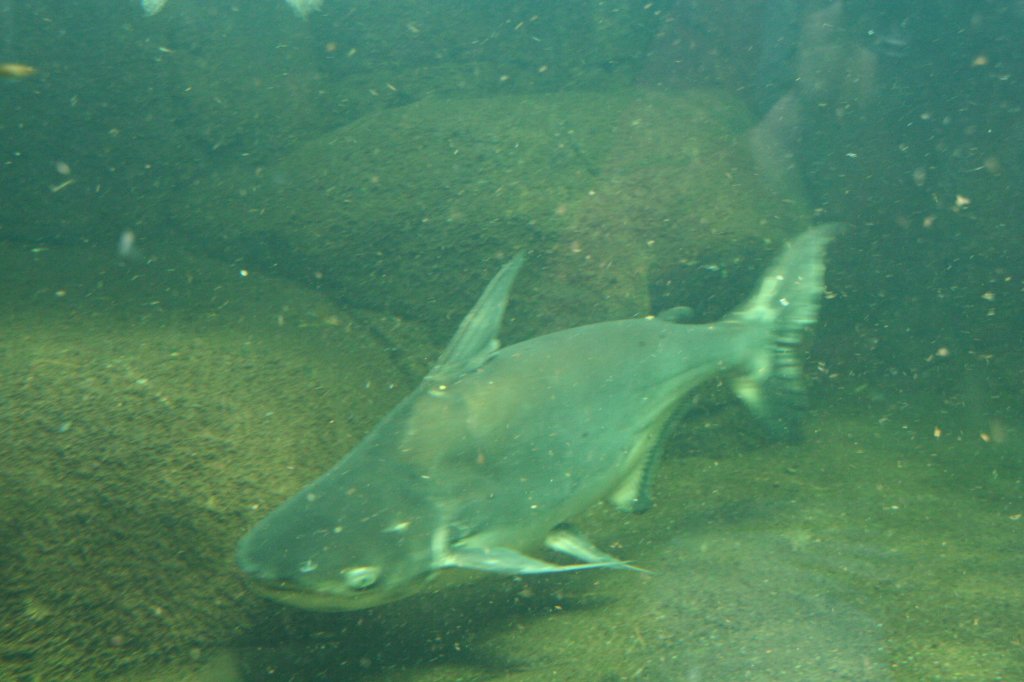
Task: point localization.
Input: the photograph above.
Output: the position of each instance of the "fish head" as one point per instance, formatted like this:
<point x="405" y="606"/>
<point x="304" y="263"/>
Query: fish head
<point x="351" y="540"/>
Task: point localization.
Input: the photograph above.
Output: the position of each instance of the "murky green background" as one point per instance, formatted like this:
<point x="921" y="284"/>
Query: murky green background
<point x="231" y="239"/>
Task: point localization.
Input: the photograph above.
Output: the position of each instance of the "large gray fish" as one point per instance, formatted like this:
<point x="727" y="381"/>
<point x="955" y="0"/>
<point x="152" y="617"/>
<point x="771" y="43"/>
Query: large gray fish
<point x="486" y="461"/>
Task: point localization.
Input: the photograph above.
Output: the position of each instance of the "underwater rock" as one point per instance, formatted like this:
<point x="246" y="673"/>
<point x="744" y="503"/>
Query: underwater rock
<point x="621" y="199"/>
<point x="152" y="412"/>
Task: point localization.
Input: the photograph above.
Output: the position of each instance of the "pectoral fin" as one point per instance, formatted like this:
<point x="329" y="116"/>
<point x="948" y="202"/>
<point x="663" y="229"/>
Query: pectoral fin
<point x="567" y="540"/>
<point x="511" y="562"/>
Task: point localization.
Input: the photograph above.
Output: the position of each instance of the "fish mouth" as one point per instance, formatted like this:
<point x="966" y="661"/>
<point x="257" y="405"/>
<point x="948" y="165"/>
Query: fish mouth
<point x="329" y="596"/>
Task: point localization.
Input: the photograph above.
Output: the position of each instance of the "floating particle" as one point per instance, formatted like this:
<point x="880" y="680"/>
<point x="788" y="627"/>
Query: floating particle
<point x="12" y="70"/>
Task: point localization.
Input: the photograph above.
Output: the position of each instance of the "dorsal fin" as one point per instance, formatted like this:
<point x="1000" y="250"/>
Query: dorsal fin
<point x="477" y="336"/>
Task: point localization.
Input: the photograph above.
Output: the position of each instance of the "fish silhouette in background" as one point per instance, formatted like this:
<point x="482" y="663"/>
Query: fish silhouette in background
<point x="301" y="7"/>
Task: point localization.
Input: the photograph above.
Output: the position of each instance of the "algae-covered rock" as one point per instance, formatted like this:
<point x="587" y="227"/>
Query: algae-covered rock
<point x="151" y="413"/>
<point x="615" y="196"/>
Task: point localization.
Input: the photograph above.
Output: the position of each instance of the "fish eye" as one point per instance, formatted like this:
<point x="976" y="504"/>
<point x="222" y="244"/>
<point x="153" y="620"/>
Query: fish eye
<point x="361" y="577"/>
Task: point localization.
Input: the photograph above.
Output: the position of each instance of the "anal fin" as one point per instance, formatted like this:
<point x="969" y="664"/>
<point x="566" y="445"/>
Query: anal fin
<point x="634" y="493"/>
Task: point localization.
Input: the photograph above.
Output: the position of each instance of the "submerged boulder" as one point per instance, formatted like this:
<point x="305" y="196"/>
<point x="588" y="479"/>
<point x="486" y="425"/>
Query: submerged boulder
<point x="619" y="198"/>
<point x="152" y="412"/>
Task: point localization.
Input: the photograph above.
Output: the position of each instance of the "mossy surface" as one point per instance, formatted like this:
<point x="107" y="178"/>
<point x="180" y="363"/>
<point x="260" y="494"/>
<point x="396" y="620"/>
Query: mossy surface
<point x="151" y="413"/>
<point x="616" y="196"/>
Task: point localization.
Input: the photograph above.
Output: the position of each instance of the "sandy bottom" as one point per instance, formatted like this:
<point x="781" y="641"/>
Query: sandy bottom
<point x="873" y="551"/>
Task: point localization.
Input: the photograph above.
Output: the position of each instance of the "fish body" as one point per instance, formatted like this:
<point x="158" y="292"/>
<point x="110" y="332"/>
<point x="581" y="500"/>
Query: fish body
<point x="498" y="448"/>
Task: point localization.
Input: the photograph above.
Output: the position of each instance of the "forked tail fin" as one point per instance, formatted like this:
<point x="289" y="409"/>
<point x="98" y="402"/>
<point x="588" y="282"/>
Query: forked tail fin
<point x="786" y="303"/>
